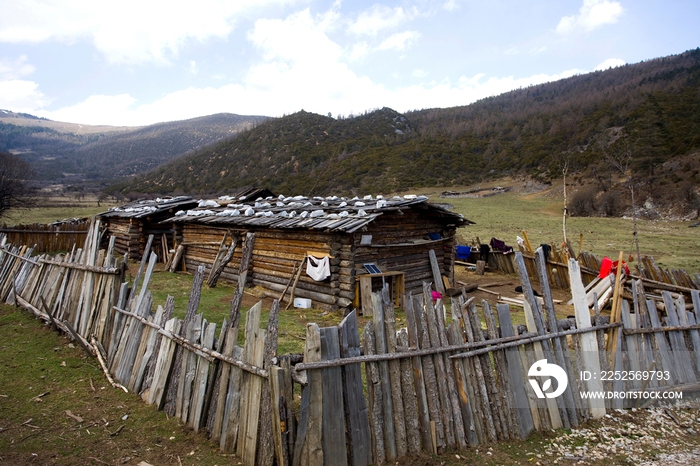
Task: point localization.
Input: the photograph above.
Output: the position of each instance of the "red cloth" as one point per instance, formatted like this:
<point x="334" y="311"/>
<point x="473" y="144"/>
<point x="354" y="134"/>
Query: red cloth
<point x="436" y="296"/>
<point x="607" y="267"/>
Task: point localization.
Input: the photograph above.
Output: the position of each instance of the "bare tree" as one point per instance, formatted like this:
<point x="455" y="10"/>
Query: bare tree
<point x="620" y="157"/>
<point x="14" y="191"/>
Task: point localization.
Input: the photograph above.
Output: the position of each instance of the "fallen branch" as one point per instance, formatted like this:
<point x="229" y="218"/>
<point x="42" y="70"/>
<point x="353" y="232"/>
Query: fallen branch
<point x="101" y="359"/>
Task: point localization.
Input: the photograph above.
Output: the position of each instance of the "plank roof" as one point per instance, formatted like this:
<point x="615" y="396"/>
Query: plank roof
<point x="148" y="207"/>
<point x="317" y="213"/>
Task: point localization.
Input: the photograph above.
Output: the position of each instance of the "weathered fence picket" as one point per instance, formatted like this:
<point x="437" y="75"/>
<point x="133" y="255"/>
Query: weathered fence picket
<point x="436" y="384"/>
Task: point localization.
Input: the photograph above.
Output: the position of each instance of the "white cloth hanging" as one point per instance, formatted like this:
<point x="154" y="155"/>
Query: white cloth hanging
<point x="318" y="269"/>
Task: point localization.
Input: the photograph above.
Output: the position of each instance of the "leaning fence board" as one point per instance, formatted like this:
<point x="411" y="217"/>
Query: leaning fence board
<point x="313" y="447"/>
<point x="163" y="364"/>
<point x="333" y="426"/>
<point x="418" y="381"/>
<point x="385" y="380"/>
<point x="200" y="381"/>
<point x="360" y="448"/>
<point x="375" y="397"/>
<point x="589" y="347"/>
<point x="681" y="355"/>
<point x="515" y="374"/>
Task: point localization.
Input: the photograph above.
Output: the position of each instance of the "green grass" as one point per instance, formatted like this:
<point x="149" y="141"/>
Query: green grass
<point x="43" y="377"/>
<point x="671" y="243"/>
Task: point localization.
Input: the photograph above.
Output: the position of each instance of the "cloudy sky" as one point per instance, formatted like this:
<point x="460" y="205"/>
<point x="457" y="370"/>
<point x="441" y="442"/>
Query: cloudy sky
<point x="137" y="62"/>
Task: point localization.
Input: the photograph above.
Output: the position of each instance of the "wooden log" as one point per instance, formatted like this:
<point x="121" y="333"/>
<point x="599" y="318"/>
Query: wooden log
<point x="359" y="438"/>
<point x="221" y="265"/>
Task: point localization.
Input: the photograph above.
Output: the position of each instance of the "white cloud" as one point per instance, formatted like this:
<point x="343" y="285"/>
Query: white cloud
<point x="21" y="96"/>
<point x="610" y="63"/>
<point x="418" y="73"/>
<point x="592" y="15"/>
<point x="358" y="51"/>
<point x="399" y="41"/>
<point x="129" y="31"/>
<point x="298" y="67"/>
<point x="18" y="94"/>
<point x="380" y="18"/>
<point x="450" y="5"/>
<point x="16" y="69"/>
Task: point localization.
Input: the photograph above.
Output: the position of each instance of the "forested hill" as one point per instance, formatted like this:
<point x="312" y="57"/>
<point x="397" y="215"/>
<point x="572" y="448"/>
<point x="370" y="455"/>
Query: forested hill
<point x="58" y="151"/>
<point x="652" y="107"/>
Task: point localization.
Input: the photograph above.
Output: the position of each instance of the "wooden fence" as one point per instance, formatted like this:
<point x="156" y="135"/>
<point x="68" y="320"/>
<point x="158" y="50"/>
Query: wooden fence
<point x="452" y="375"/>
<point x="48" y="238"/>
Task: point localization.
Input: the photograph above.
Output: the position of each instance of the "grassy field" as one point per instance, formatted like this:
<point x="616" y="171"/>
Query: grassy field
<point x="671" y="243"/>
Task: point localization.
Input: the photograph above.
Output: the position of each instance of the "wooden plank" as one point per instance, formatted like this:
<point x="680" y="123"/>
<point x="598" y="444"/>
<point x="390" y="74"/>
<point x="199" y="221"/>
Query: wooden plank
<point x="481" y="394"/>
<point x="266" y="428"/>
<point x="500" y="370"/>
<point x="408" y="394"/>
<point x="231" y="421"/>
<point x="385" y="381"/>
<point x="145" y="352"/>
<point x="461" y="387"/>
<point x="515" y="375"/>
<point x="589" y="347"/>
<point x="567" y="406"/>
<point x="163" y="365"/>
<point x="437" y="274"/>
<point x="313" y="446"/>
<point x="535" y="324"/>
<point x="250" y="433"/>
<point x="217" y="426"/>
<point x="688" y="318"/>
<point x="333" y="436"/>
<point x="359" y="438"/>
<point x="632" y="343"/>
<point x="375" y="397"/>
<point x="681" y="354"/>
<point x="195" y="417"/>
<point x="666" y="360"/>
<point x="418" y="382"/>
<point x="394" y="373"/>
<point x="252" y="329"/>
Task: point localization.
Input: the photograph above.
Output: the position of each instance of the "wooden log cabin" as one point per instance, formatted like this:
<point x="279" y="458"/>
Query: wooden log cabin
<point x="132" y="223"/>
<point x="395" y="235"/>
